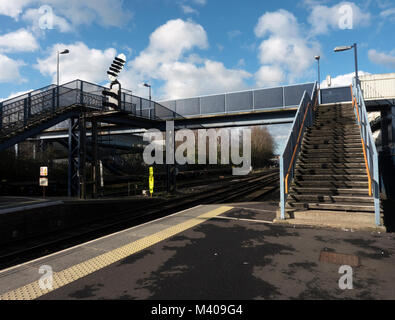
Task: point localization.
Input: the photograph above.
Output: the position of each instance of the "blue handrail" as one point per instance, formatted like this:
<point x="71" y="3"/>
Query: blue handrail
<point x="369" y="146"/>
<point x="304" y="118"/>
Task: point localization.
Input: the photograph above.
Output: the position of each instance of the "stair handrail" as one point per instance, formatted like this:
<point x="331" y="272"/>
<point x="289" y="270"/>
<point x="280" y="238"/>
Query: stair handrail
<point x="369" y="147"/>
<point x="304" y="118"/>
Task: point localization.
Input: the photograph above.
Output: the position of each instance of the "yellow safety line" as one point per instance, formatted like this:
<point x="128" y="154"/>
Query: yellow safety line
<point x="60" y="279"/>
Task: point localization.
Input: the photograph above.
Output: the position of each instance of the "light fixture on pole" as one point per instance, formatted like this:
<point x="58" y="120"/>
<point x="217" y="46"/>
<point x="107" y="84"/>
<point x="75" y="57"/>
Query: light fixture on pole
<point x="346" y="48"/>
<point x="319" y="78"/>
<point x="148" y="86"/>
<point x="114" y="95"/>
<point x="319" y="72"/>
<point x="67" y="51"/>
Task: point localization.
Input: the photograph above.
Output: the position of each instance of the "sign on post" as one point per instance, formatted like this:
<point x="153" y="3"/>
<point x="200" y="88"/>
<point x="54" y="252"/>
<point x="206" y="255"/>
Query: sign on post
<point x="44" y="171"/>
<point x="151" y="180"/>
<point x="43" y="182"/>
<point x="44" y="179"/>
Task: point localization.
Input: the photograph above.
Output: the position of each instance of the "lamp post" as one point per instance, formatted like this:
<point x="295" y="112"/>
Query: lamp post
<point x="59" y="53"/>
<point x="319" y="78"/>
<point x="148" y="86"/>
<point x="346" y="48"/>
<point x="319" y="73"/>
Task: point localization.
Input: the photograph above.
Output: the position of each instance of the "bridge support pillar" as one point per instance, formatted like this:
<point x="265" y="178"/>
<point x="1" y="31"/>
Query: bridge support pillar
<point x="95" y="159"/>
<point x="77" y="158"/>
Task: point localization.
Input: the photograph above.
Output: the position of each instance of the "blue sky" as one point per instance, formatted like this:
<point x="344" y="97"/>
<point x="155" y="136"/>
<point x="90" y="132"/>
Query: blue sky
<point x="191" y="47"/>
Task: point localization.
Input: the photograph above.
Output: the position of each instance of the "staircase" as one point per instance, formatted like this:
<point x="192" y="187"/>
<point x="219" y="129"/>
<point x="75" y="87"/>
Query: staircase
<point x="330" y="172"/>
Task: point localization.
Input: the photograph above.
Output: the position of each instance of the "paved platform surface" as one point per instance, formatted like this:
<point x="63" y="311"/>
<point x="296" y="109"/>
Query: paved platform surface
<point x="213" y="252"/>
<point x="15" y="204"/>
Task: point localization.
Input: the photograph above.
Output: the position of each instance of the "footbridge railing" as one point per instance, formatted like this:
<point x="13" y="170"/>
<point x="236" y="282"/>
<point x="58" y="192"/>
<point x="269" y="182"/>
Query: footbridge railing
<point x="369" y="147"/>
<point x="304" y="118"/>
<point x="34" y="106"/>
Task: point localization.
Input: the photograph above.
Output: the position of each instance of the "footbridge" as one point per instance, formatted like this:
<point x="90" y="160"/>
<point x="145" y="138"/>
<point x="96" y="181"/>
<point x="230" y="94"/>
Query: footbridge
<point x="75" y="112"/>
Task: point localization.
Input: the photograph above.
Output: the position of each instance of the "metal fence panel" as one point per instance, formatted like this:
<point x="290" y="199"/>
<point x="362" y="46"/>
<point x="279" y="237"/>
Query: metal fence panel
<point x="188" y="107"/>
<point x="239" y="101"/>
<point x="213" y="104"/>
<point x="268" y="98"/>
<point x="334" y="95"/>
<point x="293" y="94"/>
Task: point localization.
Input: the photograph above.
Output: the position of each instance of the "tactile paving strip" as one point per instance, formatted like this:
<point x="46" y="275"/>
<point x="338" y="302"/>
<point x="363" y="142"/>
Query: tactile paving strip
<point x="33" y="291"/>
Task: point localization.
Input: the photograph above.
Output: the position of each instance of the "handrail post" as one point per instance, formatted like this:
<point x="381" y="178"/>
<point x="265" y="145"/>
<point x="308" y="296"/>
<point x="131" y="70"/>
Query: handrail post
<point x="282" y="191"/>
<point x="1" y="115"/>
<point x="82" y="92"/>
<point x="25" y="111"/>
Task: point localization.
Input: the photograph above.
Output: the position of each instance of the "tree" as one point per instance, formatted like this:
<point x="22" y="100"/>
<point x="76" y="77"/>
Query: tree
<point x="262" y="147"/>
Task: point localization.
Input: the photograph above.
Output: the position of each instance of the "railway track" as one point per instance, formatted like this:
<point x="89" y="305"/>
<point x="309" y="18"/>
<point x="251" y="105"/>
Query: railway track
<point x="254" y="187"/>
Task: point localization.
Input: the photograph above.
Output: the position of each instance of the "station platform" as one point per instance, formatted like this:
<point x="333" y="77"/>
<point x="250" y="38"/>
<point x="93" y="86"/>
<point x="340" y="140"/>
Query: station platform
<point x="17" y="204"/>
<point x="221" y="252"/>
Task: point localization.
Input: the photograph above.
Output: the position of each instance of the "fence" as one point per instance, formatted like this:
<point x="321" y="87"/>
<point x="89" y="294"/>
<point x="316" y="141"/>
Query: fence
<point x="304" y="118"/>
<point x="369" y="148"/>
<point x="18" y="112"/>
<point x="243" y="101"/>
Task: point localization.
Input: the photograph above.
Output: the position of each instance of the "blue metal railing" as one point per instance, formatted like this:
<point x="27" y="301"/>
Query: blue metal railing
<point x="304" y="118"/>
<point x="369" y="146"/>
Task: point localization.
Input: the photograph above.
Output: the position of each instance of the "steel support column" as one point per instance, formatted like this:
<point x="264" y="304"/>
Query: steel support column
<point x="95" y="159"/>
<point x="82" y="157"/>
<point x="74" y="145"/>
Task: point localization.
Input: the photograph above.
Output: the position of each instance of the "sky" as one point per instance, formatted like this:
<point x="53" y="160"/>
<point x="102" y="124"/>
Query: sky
<point x="186" y="48"/>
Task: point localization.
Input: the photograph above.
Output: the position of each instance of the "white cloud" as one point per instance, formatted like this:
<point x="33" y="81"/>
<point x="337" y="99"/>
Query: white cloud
<point x="74" y="12"/>
<point x="33" y="17"/>
<point x="82" y="63"/>
<point x="323" y="18"/>
<point x="384" y="59"/>
<point x="389" y="13"/>
<point x="188" y="10"/>
<point x="285" y="53"/>
<point x="234" y="33"/>
<point x="12" y="8"/>
<point x="10" y="69"/>
<point x="18" y="41"/>
<point x="169" y="59"/>
<point x="342" y="80"/>
<point x="16" y="94"/>
<point x="269" y="76"/>
<point x="201" y="2"/>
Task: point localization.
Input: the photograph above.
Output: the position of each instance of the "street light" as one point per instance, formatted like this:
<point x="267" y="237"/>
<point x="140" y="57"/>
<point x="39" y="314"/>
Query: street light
<point x="148" y="86"/>
<point x="319" y="73"/>
<point x="319" y="78"/>
<point x="67" y="51"/>
<point x="346" y="48"/>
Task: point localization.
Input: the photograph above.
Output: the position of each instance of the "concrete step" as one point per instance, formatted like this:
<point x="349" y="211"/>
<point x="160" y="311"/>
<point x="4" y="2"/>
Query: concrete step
<point x="330" y="191"/>
<point x="333" y="149"/>
<point x="360" y="165"/>
<point x="309" y="145"/>
<point x="330" y="171"/>
<point x="333" y="156"/>
<point x="313" y="165"/>
<point x="332" y="177"/>
<point x="332" y="206"/>
<point x="331" y="140"/>
<point x="330" y="184"/>
<point x="308" y="160"/>
<point x="331" y="199"/>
